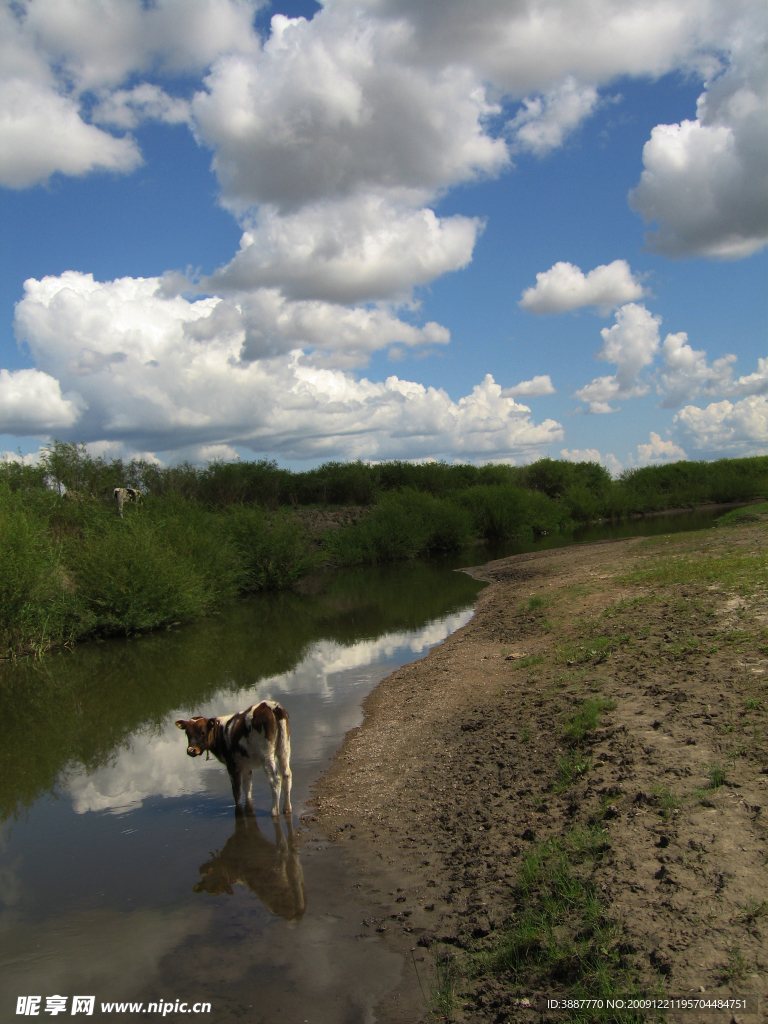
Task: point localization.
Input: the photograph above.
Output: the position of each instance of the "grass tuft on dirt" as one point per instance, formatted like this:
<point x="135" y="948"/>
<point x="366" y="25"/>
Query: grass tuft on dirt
<point x="586" y="719"/>
<point x="560" y="935"/>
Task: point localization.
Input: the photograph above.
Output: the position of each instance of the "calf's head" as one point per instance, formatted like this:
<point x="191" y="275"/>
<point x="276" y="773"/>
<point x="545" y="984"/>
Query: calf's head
<point x="199" y="732"/>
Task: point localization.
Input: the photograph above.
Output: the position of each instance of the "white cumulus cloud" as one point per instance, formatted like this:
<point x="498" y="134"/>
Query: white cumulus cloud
<point x="751" y="384"/>
<point x="610" y="461"/>
<point x="564" y="286"/>
<point x="543" y="122"/>
<point x="631" y="344"/>
<point x="355" y="250"/>
<point x="184" y="380"/>
<point x="686" y="372"/>
<point x="704" y="180"/>
<point x="658" y="451"/>
<point x="41" y="132"/>
<point x="330" y="106"/>
<point x="31" y="402"/>
<point x="127" y="108"/>
<point x="730" y="428"/>
<point x="53" y="52"/>
<point x="534" y="388"/>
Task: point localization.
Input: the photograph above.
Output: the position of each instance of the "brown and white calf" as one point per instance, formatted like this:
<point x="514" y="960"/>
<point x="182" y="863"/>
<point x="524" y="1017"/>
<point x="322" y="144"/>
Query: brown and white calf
<point x="256" y="737"/>
<point x="123" y="494"/>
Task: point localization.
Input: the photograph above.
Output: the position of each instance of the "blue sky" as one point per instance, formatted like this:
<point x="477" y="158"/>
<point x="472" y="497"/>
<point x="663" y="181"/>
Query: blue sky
<point x="310" y="237"/>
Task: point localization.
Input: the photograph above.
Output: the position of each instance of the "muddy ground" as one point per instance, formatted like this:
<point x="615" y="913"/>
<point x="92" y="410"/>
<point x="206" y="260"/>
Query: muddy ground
<point x="467" y="763"/>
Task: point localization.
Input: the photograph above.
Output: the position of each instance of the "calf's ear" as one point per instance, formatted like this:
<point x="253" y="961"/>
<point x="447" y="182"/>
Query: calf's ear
<point x="181" y="724"/>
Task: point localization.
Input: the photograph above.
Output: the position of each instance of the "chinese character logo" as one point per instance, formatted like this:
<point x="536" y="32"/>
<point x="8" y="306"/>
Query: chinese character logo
<point x="83" y="1004"/>
<point x="28" y="1005"/>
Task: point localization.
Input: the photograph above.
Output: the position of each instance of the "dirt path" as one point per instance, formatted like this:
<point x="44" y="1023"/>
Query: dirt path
<point x="482" y="759"/>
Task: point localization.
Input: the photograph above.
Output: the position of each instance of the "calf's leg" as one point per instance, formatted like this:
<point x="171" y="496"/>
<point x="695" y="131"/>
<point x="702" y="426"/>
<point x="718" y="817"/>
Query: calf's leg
<point x="283" y="751"/>
<point x="274" y="784"/>
<point x="237" y="785"/>
<point x="248" y="788"/>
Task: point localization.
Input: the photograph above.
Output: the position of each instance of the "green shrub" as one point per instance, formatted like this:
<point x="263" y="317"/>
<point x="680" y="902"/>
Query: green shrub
<point x="403" y="525"/>
<point x="33" y="585"/>
<point x="132" y="579"/>
<point x="273" y="550"/>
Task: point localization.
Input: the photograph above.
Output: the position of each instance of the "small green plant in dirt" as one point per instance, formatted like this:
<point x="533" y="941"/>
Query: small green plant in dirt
<point x="735" y="967"/>
<point x="753" y="704"/>
<point x="586" y="719"/>
<point x="525" y="734"/>
<point x="531" y="661"/>
<point x="716" y="776"/>
<point x="444" y="991"/>
<point x="665" y="801"/>
<point x="536" y="603"/>
<point x="597" y="649"/>
<point x="753" y="910"/>
<point x="560" y="935"/>
<point x="570" y="768"/>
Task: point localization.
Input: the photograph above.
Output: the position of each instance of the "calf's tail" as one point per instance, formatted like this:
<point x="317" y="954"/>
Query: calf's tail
<point x="283" y="742"/>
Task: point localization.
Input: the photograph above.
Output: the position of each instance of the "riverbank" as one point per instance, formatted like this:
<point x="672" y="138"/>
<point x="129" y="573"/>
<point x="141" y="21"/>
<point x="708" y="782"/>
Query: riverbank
<point x="567" y="797"/>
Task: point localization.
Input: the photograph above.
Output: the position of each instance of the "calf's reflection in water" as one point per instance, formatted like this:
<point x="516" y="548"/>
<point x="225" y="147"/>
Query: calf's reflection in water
<point x="272" y="871"/>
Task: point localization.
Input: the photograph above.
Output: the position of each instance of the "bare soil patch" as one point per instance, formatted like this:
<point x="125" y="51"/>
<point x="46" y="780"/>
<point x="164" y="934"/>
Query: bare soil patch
<point x="476" y="761"/>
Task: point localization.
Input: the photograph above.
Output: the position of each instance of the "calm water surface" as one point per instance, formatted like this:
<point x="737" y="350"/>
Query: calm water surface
<point x="123" y="872"/>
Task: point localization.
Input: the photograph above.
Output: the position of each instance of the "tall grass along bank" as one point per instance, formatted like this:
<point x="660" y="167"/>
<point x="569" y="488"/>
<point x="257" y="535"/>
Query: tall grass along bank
<point x="70" y="568"/>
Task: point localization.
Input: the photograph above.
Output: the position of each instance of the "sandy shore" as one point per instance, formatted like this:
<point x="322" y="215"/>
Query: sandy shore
<point x="457" y="773"/>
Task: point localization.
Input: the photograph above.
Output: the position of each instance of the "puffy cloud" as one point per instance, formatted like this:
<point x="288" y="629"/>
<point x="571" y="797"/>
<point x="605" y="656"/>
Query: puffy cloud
<point x="31" y="403"/>
<point x="543" y="122"/>
<point x="30" y="459"/>
<point x="268" y="324"/>
<point x="41" y="132"/>
<point x="610" y="461"/>
<point x="600" y="392"/>
<point x="98" y="45"/>
<point x="329" y="107"/>
<point x="704" y="180"/>
<point x="752" y="384"/>
<point x="738" y="428"/>
<point x="127" y="108"/>
<point x="632" y="344"/>
<point x="565" y="287"/>
<point x="184" y="380"/>
<point x="354" y="250"/>
<point x="54" y="51"/>
<point x="540" y="385"/>
<point x="523" y="47"/>
<point x="687" y="372"/>
<point x="658" y="451"/>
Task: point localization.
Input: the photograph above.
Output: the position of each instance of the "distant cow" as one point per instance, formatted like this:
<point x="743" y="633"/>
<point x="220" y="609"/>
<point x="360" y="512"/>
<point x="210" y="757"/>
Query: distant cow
<point x="272" y="872"/>
<point x="256" y="737"/>
<point x="123" y="494"/>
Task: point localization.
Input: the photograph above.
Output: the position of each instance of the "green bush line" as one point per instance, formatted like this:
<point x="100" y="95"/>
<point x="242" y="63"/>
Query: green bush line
<point x="70" y="568"/>
<point x="585" y="489"/>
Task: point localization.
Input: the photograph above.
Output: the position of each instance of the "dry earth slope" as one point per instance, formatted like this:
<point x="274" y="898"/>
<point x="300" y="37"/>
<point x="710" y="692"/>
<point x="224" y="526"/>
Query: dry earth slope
<point x="569" y="795"/>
